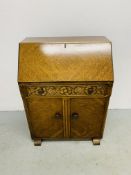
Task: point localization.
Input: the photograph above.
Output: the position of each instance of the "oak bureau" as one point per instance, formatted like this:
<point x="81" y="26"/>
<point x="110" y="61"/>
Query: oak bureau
<point x="65" y="84"/>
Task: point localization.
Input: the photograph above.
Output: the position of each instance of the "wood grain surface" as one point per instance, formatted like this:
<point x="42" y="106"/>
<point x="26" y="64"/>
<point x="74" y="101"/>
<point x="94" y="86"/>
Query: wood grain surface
<point x="45" y="123"/>
<point x="67" y="39"/>
<point x="66" y="84"/>
<point x="91" y="113"/>
<point x="41" y="111"/>
<point x="50" y="62"/>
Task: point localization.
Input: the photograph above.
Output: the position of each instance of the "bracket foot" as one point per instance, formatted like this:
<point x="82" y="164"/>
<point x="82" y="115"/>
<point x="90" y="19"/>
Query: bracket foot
<point x="96" y="141"/>
<point x="37" y="142"/>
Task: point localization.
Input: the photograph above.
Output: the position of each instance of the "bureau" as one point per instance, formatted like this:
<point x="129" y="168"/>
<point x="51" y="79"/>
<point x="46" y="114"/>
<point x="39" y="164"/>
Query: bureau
<point x="65" y="84"/>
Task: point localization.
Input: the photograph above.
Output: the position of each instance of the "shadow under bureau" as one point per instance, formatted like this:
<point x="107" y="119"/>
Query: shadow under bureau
<point x="65" y="84"/>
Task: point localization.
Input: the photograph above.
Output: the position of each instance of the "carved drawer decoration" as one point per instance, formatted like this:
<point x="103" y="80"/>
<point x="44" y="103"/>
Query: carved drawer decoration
<point x="69" y="90"/>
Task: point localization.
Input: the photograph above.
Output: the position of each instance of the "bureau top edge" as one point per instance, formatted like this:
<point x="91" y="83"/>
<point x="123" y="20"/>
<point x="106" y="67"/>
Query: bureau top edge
<point x="68" y="39"/>
<point x="110" y="82"/>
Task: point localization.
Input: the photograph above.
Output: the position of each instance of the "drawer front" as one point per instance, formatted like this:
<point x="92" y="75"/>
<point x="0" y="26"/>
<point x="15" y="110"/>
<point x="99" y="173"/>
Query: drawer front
<point x="46" y="116"/>
<point x="87" y="117"/>
<point x="75" y="90"/>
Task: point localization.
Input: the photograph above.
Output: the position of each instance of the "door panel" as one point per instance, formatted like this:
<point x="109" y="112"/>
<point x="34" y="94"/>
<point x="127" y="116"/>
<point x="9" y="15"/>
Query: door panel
<point x="87" y="116"/>
<point x="46" y="117"/>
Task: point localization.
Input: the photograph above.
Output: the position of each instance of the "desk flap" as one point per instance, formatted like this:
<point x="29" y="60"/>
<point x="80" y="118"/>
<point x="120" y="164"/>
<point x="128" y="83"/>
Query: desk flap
<point x="65" y="59"/>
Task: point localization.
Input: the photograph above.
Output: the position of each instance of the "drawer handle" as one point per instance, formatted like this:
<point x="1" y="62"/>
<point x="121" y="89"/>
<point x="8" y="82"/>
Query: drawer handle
<point x="74" y="116"/>
<point x="90" y="91"/>
<point x="58" y="115"/>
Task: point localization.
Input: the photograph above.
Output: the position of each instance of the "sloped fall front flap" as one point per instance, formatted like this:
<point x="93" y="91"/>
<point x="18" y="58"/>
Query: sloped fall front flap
<point x="56" y="59"/>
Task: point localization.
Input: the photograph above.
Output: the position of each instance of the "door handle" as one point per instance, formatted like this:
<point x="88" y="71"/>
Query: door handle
<point x="74" y="116"/>
<point x="58" y="115"/>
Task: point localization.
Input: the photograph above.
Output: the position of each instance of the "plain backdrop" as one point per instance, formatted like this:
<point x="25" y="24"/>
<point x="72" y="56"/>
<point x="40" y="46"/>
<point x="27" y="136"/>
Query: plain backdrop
<point x="22" y="18"/>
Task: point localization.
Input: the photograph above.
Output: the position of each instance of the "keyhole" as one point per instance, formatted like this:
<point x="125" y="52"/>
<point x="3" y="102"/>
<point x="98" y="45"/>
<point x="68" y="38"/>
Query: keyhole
<point x="65" y="45"/>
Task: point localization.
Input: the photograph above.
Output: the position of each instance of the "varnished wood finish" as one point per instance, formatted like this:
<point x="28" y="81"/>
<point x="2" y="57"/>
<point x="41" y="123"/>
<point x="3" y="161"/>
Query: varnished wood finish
<point x="66" y="92"/>
<point x="43" y="111"/>
<point x="69" y="39"/>
<point x="91" y="109"/>
<point x="66" y="119"/>
<point x="90" y="117"/>
<point x="79" y="61"/>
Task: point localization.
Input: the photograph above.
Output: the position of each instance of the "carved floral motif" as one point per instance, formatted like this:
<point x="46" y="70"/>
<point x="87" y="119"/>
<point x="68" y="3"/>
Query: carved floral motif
<point x="66" y="90"/>
<point x="76" y="90"/>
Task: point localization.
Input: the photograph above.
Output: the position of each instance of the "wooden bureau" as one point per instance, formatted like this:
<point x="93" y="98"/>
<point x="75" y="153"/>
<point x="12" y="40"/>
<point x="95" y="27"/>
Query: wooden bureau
<point x="65" y="84"/>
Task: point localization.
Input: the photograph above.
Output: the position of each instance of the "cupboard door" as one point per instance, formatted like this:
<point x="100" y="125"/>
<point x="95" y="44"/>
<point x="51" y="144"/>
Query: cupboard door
<point x="87" y="117"/>
<point x="46" y="117"/>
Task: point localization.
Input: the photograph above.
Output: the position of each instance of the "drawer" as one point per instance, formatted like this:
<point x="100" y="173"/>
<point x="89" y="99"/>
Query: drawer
<point x="90" y="90"/>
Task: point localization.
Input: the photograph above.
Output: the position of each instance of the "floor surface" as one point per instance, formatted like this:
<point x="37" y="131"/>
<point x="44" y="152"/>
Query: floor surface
<point x="18" y="156"/>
